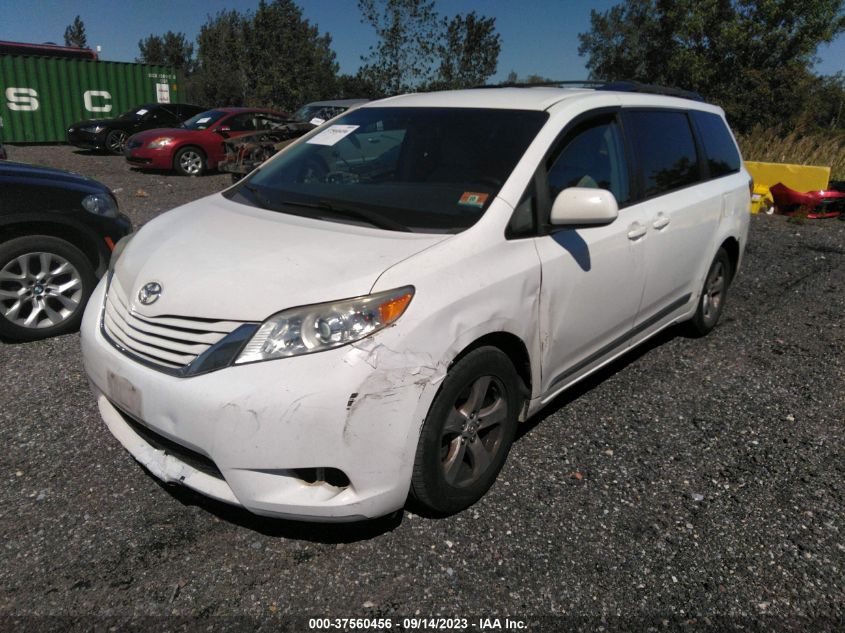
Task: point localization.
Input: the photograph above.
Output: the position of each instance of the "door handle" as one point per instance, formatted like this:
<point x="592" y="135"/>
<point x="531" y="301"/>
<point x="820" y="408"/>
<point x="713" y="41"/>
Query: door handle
<point x="636" y="231"/>
<point x="661" y="222"/>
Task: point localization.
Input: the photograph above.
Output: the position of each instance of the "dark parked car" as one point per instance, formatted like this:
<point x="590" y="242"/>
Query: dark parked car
<point x="111" y="134"/>
<point x="57" y="232"/>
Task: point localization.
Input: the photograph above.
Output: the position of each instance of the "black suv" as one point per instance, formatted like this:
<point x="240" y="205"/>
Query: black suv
<point x="57" y="231"/>
<point x="111" y="134"/>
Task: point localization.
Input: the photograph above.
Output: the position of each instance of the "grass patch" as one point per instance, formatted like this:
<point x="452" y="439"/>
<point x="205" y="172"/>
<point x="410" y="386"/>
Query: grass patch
<point x="797" y="146"/>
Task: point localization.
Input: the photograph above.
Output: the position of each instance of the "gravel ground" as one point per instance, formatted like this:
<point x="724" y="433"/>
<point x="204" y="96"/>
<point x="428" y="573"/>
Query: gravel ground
<point x="694" y="484"/>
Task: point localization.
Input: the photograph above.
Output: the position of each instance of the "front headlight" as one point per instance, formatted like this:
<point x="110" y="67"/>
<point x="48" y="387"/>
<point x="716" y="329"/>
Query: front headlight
<point x="118" y="249"/>
<point x="160" y="142"/>
<point x="323" y="326"/>
<point x="100" y="204"/>
<point x="93" y="129"/>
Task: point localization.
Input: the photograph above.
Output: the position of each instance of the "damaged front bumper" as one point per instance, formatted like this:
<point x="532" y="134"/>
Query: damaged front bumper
<point x="328" y="436"/>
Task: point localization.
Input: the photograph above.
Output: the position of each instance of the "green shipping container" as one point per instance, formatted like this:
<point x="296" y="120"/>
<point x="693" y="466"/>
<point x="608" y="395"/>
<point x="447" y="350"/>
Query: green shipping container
<point x="42" y="96"/>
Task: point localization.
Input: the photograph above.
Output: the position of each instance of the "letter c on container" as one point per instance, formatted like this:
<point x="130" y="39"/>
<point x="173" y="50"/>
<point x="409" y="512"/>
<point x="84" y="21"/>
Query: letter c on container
<point x="88" y="98"/>
<point x="22" y="99"/>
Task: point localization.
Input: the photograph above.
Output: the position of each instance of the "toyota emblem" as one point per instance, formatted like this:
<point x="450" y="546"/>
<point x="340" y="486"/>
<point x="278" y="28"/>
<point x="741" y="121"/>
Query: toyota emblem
<point x="149" y="293"/>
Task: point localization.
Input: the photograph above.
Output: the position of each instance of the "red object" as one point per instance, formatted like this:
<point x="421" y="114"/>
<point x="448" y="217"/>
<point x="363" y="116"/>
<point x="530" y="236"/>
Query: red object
<point x="819" y="204"/>
<point x="223" y="123"/>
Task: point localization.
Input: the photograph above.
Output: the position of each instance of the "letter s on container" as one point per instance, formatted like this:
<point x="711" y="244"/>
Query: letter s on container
<point x="22" y="99"/>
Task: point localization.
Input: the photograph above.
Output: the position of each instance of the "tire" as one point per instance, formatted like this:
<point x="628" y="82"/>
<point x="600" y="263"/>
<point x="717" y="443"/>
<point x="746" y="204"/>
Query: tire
<point x="189" y="161"/>
<point x="459" y="456"/>
<point x="714" y="293"/>
<point x="116" y="141"/>
<point x="45" y="283"/>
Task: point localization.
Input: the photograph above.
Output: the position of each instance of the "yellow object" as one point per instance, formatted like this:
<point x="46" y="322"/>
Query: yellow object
<point x="801" y="178"/>
<point x="761" y="199"/>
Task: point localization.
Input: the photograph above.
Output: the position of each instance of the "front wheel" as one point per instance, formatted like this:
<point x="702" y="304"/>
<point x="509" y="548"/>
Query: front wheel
<point x="116" y="141"/>
<point x="467" y="433"/>
<point x="189" y="161"/>
<point x="45" y="283"/>
<point x="713" y="295"/>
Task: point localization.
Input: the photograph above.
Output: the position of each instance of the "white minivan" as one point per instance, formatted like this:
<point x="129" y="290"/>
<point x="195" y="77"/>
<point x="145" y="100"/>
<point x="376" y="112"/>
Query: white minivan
<point x="370" y="314"/>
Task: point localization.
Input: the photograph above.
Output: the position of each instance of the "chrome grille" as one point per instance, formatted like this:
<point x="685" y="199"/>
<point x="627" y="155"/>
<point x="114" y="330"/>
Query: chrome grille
<point x="169" y="341"/>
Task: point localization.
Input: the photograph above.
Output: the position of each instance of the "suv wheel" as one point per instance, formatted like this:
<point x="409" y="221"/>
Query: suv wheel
<point x="467" y="433"/>
<point x="713" y="295"/>
<point x="45" y="283"/>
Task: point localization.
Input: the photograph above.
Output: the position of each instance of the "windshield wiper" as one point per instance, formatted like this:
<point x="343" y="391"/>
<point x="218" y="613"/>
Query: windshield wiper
<point x="262" y="199"/>
<point x="376" y="219"/>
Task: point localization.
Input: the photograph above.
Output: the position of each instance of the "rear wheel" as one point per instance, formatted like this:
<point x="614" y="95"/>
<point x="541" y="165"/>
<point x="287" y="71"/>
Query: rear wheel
<point x="189" y="161"/>
<point x="713" y="295"/>
<point x="45" y="283"/>
<point x="467" y="433"/>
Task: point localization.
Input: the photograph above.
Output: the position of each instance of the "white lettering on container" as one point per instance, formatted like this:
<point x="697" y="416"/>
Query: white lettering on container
<point x="89" y="96"/>
<point x="22" y="99"/>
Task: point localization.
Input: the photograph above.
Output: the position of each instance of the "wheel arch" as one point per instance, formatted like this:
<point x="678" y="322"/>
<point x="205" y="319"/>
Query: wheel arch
<point x="513" y="347"/>
<point x="731" y="246"/>
<point x="189" y="145"/>
<point x="70" y="234"/>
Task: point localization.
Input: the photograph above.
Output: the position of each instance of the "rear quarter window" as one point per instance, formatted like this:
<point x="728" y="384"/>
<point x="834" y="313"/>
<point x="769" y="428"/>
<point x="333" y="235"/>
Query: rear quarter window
<point x="719" y="147"/>
<point x="665" y="150"/>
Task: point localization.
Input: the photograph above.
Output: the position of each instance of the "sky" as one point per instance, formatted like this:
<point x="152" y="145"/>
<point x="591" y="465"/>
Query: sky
<point x="538" y="36"/>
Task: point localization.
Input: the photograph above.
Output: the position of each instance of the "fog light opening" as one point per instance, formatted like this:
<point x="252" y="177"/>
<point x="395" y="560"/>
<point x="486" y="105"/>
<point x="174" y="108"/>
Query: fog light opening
<point x="323" y="475"/>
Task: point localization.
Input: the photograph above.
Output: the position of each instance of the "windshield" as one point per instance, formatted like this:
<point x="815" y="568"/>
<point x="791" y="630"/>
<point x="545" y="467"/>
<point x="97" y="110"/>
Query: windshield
<point x="417" y="169"/>
<point x="203" y="120"/>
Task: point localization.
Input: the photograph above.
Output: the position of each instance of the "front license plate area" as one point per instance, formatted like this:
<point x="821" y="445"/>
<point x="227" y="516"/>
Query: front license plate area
<point x="124" y="394"/>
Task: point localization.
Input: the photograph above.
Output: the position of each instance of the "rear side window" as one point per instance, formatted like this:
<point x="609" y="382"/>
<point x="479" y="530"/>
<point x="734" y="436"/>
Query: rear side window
<point x="719" y="147"/>
<point x="665" y="150"/>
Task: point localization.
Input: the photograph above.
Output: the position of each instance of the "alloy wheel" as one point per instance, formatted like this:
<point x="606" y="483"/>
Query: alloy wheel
<point x="39" y="290"/>
<point x="190" y="162"/>
<point x="116" y="141"/>
<point x="473" y="432"/>
<point x="713" y="292"/>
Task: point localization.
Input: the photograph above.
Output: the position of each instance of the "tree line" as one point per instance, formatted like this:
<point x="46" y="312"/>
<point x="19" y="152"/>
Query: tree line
<point x="754" y="58"/>
<point x="275" y="57"/>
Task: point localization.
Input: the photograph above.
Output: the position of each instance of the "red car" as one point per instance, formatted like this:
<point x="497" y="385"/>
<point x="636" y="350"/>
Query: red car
<point x="197" y="145"/>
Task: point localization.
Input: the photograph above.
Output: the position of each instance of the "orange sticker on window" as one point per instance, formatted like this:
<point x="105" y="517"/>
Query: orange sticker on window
<point x="473" y="199"/>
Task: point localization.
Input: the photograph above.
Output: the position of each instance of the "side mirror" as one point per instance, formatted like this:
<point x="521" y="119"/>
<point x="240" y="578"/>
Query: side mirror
<point x="223" y="131"/>
<point x="584" y="205"/>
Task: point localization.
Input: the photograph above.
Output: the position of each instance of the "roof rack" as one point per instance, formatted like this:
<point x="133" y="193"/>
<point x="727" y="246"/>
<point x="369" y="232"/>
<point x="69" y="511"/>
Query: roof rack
<point x="636" y="86"/>
<point x="617" y="86"/>
<point x="550" y="83"/>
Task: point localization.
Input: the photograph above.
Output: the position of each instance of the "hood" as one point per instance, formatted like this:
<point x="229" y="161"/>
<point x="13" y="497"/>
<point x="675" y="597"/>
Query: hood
<point x="35" y="174"/>
<point x="218" y="259"/>
<point x="176" y="132"/>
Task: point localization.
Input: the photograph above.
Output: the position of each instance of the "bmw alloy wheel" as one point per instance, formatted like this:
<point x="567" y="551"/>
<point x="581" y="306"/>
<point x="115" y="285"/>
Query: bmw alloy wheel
<point x="39" y="290"/>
